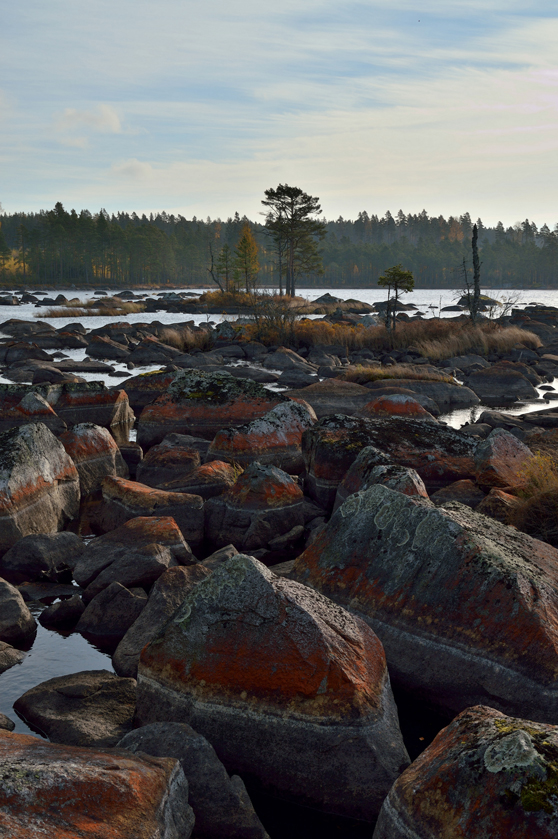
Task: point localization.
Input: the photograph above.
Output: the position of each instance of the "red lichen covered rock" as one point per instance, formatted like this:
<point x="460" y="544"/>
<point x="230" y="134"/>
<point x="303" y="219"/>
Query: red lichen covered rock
<point x="499" y="505"/>
<point x="124" y="500"/>
<point x="95" y="455"/>
<point x="439" y="454"/>
<point x="485" y="775"/>
<point x="90" y="402"/>
<point x="66" y="792"/>
<point x="277" y="678"/>
<point x="465" y="492"/>
<point x="32" y="408"/>
<point x="371" y="468"/>
<point x="208" y="480"/>
<point x="466" y="608"/>
<point x="275" y="439"/>
<point x="39" y="484"/>
<point x="500" y="459"/>
<point x="396" y="404"/>
<point x="263" y="503"/>
<point x="202" y="403"/>
<point x="333" y="396"/>
<point x="168" y="461"/>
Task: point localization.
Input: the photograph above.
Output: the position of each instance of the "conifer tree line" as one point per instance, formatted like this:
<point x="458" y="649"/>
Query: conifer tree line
<point x="124" y="249"/>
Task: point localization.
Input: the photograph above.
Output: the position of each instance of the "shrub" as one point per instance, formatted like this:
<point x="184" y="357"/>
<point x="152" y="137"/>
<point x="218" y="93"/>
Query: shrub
<point x="538" y="514"/>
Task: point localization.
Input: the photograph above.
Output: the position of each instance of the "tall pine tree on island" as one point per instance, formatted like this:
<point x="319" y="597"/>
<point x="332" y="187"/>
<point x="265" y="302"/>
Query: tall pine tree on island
<point x="246" y="265"/>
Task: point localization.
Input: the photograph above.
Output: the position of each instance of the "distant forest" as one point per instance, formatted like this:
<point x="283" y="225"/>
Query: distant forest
<point x="59" y="247"/>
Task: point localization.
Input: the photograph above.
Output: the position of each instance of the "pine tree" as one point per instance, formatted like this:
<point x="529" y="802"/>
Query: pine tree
<point x="246" y="265"/>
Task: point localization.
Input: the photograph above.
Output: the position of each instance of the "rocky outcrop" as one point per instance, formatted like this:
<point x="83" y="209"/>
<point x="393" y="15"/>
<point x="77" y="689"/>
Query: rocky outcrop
<point x="45" y="556"/>
<point x="263" y="503"/>
<point x="327" y="692"/>
<point x="465" y="607"/>
<point x="274" y="440"/>
<point x="167" y="594"/>
<point x="60" y="792"/>
<point x="124" y="500"/>
<point x="39" y="484"/>
<point x="202" y="403"/>
<point x="95" y="455"/>
<point x="91" y="708"/>
<point x="484" y="775"/>
<point x="369" y="468"/>
<point x="64" y="614"/>
<point x="221" y="804"/>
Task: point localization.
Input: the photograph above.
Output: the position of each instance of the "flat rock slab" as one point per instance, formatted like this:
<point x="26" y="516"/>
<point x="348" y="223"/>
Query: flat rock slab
<point x="465" y="607"/>
<point x="72" y="793"/>
<point x="485" y="775"/>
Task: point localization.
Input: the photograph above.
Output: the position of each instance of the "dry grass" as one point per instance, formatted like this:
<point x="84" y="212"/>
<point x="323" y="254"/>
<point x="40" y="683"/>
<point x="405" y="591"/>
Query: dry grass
<point x="185" y="340"/>
<point x="222" y="299"/>
<point x="480" y="340"/>
<point x="361" y="375"/>
<point x="108" y="307"/>
<point x="538" y="513"/>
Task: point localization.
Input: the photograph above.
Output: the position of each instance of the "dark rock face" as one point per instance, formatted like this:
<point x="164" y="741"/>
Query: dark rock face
<point x="221" y="804"/>
<point x="202" y="403"/>
<point x="110" y="614"/>
<point x="17" y="624"/>
<point x="91" y="708"/>
<point x="168" y="461"/>
<point x="44" y="556"/>
<point x="39" y="484"/>
<point x="264" y="503"/>
<point x="8" y="657"/>
<point x="327" y="693"/>
<point x="274" y="439"/>
<point x="484" y="775"/>
<point x="465" y="607"/>
<point x="61" y="792"/>
<point x="145" y="388"/>
<point x="124" y="500"/>
<point x="167" y="594"/>
<point x="63" y="614"/>
<point x="500" y="384"/>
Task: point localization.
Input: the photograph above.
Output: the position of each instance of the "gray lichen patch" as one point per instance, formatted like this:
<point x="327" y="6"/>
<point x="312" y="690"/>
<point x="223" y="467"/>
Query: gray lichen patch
<point x="514" y="751"/>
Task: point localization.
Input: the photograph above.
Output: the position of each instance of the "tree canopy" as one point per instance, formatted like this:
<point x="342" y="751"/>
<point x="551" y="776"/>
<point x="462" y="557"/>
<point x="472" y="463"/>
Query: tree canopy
<point x="397" y="281"/>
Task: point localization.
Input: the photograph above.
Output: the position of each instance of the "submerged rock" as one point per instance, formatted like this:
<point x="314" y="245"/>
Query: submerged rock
<point x="252" y="659"/>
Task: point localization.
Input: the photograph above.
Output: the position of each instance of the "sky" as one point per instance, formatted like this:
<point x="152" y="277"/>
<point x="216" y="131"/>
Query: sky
<point x="197" y="107"/>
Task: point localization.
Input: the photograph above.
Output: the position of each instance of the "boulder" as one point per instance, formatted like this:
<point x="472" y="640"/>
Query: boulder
<point x="399" y="405"/>
<point x="295" y="378"/>
<point x="146" y="388"/>
<point x="6" y="723"/>
<point x="17" y="624"/>
<point x="44" y="556"/>
<point x="166" y="596"/>
<point x="95" y="455"/>
<point x="91" y="708"/>
<point x="427" y="403"/>
<point x="39" y="484"/>
<point x="202" y="403"/>
<point x="210" y="479"/>
<point x="499" y="505"/>
<point x="124" y="500"/>
<point x="333" y="396"/>
<point x="132" y="455"/>
<point x="89" y="402"/>
<point x="221" y="804"/>
<point x="8" y="657"/>
<point x="32" y="408"/>
<point x="100" y="346"/>
<point x="465" y="492"/>
<point x="250" y="659"/>
<point x="500" y="460"/>
<point x="64" y="614"/>
<point x="285" y="359"/>
<point x="263" y="503"/>
<point x="484" y="775"/>
<point x="438" y="453"/>
<point x="168" y="461"/>
<point x="110" y="614"/>
<point x="368" y="469"/>
<point x="448" y="396"/>
<point x="274" y="439"/>
<point x="62" y="792"/>
<point x="498" y="385"/>
<point x="218" y="557"/>
<point x="465" y="607"/>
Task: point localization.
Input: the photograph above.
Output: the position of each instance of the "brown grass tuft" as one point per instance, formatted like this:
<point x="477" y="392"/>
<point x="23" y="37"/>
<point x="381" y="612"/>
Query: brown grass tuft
<point x="108" y="307"/>
<point x="360" y="375"/>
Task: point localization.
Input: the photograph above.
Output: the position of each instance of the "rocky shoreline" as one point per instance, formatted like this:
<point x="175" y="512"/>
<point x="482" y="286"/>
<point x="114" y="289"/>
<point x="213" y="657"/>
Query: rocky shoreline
<point x="278" y="561"/>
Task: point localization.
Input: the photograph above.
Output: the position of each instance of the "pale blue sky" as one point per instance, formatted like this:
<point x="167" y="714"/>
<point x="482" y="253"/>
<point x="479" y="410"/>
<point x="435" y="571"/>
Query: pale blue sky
<point x="196" y="108"/>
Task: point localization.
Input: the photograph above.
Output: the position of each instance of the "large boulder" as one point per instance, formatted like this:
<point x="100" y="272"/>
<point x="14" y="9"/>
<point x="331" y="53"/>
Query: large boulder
<point x="395" y="404"/>
<point x="146" y="388"/>
<point x="221" y="804"/>
<point x="465" y="492"/>
<point x="124" y="500"/>
<point x="91" y="708"/>
<point x="168" y="461"/>
<point x="448" y="396"/>
<point x="32" y="408"/>
<point x="498" y="385"/>
<point x="485" y="775"/>
<point x="465" y="607"/>
<point x="287" y="688"/>
<point x="263" y="503"/>
<point x="207" y="480"/>
<point x="202" y="403"/>
<point x="110" y="614"/>
<point x="62" y="792"/>
<point x="95" y="454"/>
<point x="275" y="439"/>
<point x="88" y="402"/>
<point x="439" y="454"/>
<point x="333" y="396"/>
<point x="44" y="556"/>
<point x="500" y="460"/>
<point x="39" y="484"/>
<point x="8" y="657"/>
<point x="370" y="468"/>
<point x="167" y="594"/>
